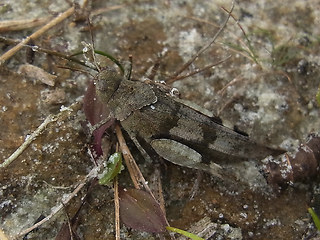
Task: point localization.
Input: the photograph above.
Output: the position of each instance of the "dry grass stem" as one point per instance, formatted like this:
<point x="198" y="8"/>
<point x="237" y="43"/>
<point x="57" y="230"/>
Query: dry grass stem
<point x="51" y="118"/>
<point x="160" y="191"/>
<point x="3" y="235"/>
<point x="36" y="34"/>
<point x="132" y="166"/>
<point x="204" y="48"/>
<point x="197" y="71"/>
<point x="130" y="163"/>
<point x="92" y="174"/>
<point x="203" y="21"/>
<point x="17" y="25"/>
<point x="116" y="207"/>
<point x="107" y="9"/>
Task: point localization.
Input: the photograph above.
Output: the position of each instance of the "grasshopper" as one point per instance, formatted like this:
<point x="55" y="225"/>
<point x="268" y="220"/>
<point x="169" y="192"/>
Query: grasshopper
<point x="161" y="125"/>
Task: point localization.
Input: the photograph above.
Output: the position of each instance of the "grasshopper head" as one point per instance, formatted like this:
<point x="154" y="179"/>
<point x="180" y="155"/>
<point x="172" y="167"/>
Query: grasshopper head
<point x="107" y="82"/>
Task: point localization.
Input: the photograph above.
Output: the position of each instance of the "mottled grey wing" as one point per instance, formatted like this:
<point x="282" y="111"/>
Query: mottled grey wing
<point x="187" y="137"/>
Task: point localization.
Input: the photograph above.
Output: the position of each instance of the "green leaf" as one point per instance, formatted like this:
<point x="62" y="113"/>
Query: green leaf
<point x="113" y="59"/>
<point x="184" y="233"/>
<point x="114" y="166"/>
<point x="315" y="218"/>
<point x="109" y="56"/>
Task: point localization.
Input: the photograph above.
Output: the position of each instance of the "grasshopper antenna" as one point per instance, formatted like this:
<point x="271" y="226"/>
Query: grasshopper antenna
<point x="128" y="68"/>
<point x="92" y="44"/>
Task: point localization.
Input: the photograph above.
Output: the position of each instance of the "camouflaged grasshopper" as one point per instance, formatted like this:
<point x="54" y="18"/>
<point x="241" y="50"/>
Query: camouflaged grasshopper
<point x="160" y="125"/>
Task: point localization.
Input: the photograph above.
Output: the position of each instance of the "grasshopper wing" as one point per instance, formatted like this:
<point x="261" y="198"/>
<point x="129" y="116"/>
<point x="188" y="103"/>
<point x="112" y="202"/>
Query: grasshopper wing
<point x="187" y="137"/>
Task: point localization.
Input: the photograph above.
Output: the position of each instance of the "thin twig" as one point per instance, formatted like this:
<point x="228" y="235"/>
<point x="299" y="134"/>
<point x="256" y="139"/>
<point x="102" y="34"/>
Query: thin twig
<point x="242" y="51"/>
<point x="89" y="176"/>
<point x="36" y="34"/>
<point x="222" y="91"/>
<point x="69" y="222"/>
<point x="51" y="118"/>
<point x="16" y="25"/>
<point x="3" y="235"/>
<point x="197" y="71"/>
<point x="128" y="158"/>
<point x="132" y="166"/>
<point x="48" y="51"/>
<point x="160" y="191"/>
<point x="203" y="49"/>
<point x="251" y="50"/>
<point x="246" y="52"/>
<point x="131" y="163"/>
<point x="116" y="207"/>
<point x="203" y="21"/>
<point x="106" y="9"/>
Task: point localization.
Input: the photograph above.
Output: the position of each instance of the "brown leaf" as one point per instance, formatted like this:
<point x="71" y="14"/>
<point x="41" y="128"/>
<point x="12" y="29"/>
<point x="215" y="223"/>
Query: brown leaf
<point x="140" y="211"/>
